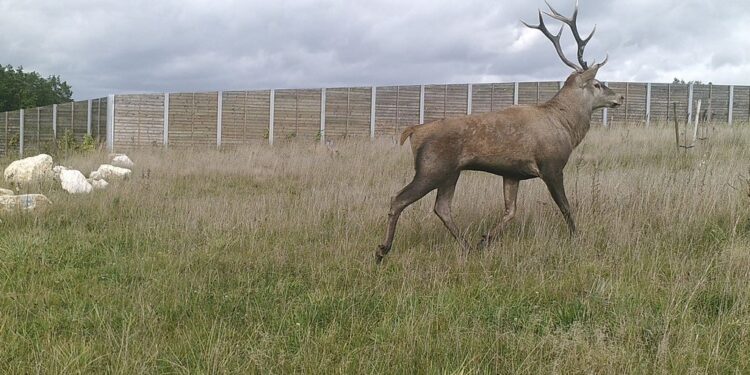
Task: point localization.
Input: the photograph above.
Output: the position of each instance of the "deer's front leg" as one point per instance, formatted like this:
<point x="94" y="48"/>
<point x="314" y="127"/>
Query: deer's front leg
<point x="510" y="193"/>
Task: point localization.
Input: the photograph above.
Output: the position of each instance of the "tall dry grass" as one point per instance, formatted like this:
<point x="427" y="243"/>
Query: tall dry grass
<point x="260" y="259"/>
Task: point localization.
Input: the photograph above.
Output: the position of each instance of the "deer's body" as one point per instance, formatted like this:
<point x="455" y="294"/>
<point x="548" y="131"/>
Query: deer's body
<point x="517" y="143"/>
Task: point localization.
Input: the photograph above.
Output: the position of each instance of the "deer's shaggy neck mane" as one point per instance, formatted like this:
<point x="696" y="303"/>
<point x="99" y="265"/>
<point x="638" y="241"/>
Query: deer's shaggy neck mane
<point x="571" y="110"/>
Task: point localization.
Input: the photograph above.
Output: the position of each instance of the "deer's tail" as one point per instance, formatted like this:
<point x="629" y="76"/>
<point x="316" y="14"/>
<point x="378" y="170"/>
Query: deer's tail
<point x="407" y="133"/>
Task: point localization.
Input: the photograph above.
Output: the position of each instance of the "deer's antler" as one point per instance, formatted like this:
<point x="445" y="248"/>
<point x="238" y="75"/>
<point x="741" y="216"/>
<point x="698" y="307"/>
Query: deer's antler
<point x="555" y="40"/>
<point x="571" y="22"/>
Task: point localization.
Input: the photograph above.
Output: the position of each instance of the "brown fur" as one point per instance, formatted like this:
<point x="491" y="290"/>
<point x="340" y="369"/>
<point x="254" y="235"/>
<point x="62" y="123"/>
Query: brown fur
<point x="518" y="143"/>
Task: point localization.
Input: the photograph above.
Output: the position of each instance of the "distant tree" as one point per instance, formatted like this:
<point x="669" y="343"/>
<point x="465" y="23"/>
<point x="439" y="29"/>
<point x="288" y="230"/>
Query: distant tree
<point x="19" y="89"/>
<point x="682" y="81"/>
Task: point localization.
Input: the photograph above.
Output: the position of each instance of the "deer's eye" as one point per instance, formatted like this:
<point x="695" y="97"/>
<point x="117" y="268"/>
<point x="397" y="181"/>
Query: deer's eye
<point x="598" y="86"/>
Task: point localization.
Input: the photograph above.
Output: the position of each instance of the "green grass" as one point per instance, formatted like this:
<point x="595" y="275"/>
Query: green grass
<point x="260" y="260"/>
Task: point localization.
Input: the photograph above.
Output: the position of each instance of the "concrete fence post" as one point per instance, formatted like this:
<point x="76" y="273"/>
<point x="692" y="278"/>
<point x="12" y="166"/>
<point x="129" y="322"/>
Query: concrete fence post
<point x="21" y="121"/>
<point x="54" y="121"/>
<point x="88" y="116"/>
<point x="270" y="116"/>
<point x="469" y="95"/>
<point x="690" y="103"/>
<point x="219" y="110"/>
<point x="110" y="122"/>
<point x="323" y="115"/>
<point x="421" y="104"/>
<point x="165" y="134"/>
<point x="648" y="104"/>
<point x="373" y="99"/>
<point x="731" y="105"/>
<point x="515" y="93"/>
<point x="605" y="113"/>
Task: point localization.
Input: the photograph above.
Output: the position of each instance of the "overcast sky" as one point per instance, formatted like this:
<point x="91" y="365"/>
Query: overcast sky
<point x="122" y="46"/>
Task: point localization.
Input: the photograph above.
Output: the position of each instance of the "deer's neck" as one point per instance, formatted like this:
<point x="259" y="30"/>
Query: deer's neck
<point x="572" y="112"/>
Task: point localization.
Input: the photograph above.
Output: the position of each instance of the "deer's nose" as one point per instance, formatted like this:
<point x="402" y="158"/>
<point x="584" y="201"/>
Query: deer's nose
<point x="622" y="98"/>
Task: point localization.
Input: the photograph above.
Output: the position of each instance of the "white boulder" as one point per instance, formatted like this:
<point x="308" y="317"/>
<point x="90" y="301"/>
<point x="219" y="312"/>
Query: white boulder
<point x="56" y="171"/>
<point x="6" y="192"/>
<point x="110" y="172"/>
<point x="74" y="182"/>
<point x="99" y="184"/>
<point x="25" y="202"/>
<point x="30" y="170"/>
<point x="122" y="160"/>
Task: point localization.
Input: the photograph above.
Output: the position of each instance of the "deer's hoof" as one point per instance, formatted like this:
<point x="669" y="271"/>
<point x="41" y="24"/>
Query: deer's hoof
<point x="380" y="253"/>
<point x="484" y="242"/>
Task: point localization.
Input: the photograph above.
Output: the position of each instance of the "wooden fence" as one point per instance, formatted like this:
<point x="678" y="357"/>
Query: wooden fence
<point x="227" y="118"/>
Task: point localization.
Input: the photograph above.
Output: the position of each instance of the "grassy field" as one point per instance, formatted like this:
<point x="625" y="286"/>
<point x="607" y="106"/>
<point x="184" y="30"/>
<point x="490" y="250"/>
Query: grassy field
<point x="260" y="260"/>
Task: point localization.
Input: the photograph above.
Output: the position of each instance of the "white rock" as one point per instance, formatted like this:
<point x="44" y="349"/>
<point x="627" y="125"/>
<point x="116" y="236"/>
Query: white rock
<point x="109" y="172"/>
<point x="74" y="182"/>
<point x="6" y="192"/>
<point x="122" y="160"/>
<point x="29" y="170"/>
<point x="26" y="202"/>
<point x="99" y="184"/>
<point x="57" y="169"/>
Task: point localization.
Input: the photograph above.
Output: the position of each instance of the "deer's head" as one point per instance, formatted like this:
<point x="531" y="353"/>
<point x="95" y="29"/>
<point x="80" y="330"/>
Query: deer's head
<point x="583" y="79"/>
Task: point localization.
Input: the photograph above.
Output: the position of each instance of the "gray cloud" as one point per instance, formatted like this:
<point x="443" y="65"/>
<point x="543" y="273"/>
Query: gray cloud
<point x="146" y="46"/>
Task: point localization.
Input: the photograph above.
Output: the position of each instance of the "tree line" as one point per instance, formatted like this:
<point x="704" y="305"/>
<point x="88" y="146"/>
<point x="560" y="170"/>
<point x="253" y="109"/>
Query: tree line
<point x="19" y="89"/>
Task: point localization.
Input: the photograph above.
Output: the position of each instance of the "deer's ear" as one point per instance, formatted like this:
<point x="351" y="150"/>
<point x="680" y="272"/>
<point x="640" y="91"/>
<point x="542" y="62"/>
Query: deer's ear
<point x="588" y="75"/>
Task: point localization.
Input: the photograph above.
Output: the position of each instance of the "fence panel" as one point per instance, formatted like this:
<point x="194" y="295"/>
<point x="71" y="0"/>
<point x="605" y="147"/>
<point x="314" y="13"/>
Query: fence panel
<point x="445" y="101"/>
<point x="741" y="105"/>
<point x="245" y="116"/>
<point x="456" y="100"/>
<point x="139" y="120"/>
<point x="547" y="90"/>
<point x="30" y="132"/>
<point x="528" y="93"/>
<point x="80" y="119"/>
<point x="3" y="133"/>
<point x="296" y="114"/>
<point x="64" y="119"/>
<point x="715" y="97"/>
<point x="636" y="103"/>
<point x="435" y="98"/>
<point x="488" y="97"/>
<point x="46" y="136"/>
<point x="396" y="108"/>
<point x="99" y="119"/>
<point x="660" y="110"/>
<point x="13" y="132"/>
<point x="348" y="112"/>
<point x="192" y="119"/>
<point x="679" y="96"/>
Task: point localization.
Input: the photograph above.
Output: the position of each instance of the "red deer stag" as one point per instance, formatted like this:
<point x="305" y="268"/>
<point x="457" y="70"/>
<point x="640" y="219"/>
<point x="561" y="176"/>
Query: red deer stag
<point x="517" y="143"/>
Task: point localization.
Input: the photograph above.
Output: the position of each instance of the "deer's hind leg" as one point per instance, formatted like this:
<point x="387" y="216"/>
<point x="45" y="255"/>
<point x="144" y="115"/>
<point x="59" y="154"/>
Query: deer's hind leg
<point x="433" y="170"/>
<point x="411" y="193"/>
